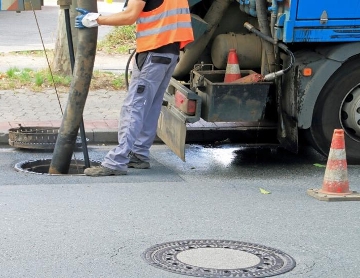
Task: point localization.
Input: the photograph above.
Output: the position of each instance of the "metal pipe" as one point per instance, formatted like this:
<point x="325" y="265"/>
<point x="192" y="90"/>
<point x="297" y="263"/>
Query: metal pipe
<point x="79" y="88"/>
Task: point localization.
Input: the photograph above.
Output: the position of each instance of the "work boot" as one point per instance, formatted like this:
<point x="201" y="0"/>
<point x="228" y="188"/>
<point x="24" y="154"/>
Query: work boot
<point x="137" y="163"/>
<point x="98" y="171"/>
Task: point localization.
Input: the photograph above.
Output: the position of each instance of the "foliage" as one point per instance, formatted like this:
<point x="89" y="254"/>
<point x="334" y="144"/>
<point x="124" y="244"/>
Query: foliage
<point x="15" y="78"/>
<point x="120" y="40"/>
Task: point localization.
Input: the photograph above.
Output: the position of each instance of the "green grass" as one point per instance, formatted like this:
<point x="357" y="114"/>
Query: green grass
<point x="39" y="79"/>
<point x="118" y="82"/>
<point x="25" y="75"/>
<point x="11" y="73"/>
<point x="119" y="40"/>
<point x="15" y="78"/>
<point x="36" y="53"/>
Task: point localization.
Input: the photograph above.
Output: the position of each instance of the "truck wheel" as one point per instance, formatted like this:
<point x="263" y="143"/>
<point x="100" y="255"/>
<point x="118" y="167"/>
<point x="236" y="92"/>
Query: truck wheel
<point x="338" y="107"/>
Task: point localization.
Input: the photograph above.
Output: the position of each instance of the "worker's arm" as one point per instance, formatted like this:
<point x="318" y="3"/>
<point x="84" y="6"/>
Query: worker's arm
<point x="126" y="17"/>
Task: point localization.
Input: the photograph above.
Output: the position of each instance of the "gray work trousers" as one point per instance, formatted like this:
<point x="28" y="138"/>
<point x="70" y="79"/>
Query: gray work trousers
<point x="141" y="109"/>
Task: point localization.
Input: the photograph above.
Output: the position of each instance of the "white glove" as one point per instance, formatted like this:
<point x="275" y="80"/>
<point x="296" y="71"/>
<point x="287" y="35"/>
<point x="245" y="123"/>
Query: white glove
<point x="89" y="20"/>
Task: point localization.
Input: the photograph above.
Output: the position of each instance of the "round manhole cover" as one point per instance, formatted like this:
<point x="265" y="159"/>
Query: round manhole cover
<point x="219" y="258"/>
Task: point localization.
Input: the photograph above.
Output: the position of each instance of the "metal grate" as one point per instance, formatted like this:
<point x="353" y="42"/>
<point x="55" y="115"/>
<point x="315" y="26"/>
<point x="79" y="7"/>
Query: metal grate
<point x="31" y="137"/>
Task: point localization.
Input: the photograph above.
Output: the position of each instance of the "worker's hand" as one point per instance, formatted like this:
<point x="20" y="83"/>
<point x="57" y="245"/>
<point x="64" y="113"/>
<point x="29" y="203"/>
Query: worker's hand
<point x="86" y="19"/>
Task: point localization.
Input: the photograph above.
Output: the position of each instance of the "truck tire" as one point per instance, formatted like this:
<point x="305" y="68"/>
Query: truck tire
<point x="338" y="107"/>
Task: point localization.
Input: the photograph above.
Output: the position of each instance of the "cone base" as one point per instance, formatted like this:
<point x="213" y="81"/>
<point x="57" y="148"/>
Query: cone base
<point x="322" y="191"/>
<point x="317" y="194"/>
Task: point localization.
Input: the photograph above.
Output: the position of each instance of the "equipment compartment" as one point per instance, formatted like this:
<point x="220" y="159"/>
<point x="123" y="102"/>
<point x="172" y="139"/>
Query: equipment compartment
<point x="230" y="102"/>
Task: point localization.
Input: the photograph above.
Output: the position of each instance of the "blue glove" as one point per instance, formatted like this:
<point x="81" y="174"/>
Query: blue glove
<point x="86" y="19"/>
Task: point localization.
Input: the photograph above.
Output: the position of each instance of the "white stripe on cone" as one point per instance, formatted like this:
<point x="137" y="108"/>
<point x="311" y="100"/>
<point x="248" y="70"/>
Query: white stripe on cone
<point x="232" y="69"/>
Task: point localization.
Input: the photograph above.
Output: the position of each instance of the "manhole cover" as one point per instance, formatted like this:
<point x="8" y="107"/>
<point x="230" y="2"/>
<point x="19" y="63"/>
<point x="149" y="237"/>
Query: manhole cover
<point x="41" y="166"/>
<point x="219" y="258"/>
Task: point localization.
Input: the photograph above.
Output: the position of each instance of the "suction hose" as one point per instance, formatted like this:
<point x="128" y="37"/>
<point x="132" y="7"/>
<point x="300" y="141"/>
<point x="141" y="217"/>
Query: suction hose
<point x="272" y="75"/>
<point x="127" y="68"/>
<point x="72" y="62"/>
<point x="79" y="88"/>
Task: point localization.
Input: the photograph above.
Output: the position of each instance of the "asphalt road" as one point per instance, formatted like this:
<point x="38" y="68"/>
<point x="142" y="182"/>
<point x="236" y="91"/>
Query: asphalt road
<point x="20" y="32"/>
<point x="77" y="226"/>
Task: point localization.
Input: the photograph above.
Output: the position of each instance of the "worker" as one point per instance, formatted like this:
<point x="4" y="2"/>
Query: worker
<point x="163" y="28"/>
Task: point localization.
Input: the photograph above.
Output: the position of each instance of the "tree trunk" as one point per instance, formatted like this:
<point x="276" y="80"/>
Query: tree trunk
<point x="61" y="63"/>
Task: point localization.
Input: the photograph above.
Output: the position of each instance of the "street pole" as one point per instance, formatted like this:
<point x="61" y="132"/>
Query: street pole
<point x="79" y="88"/>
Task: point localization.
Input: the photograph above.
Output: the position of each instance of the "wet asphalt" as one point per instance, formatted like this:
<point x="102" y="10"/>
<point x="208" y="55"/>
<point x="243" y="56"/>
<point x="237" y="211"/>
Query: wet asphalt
<point x="77" y="226"/>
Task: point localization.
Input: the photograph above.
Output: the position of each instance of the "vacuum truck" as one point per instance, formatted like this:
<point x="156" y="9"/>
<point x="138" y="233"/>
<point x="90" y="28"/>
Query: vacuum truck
<point x="299" y="65"/>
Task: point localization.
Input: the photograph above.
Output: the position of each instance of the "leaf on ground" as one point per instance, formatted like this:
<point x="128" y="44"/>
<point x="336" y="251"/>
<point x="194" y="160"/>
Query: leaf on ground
<point x="319" y="165"/>
<point x="263" y="191"/>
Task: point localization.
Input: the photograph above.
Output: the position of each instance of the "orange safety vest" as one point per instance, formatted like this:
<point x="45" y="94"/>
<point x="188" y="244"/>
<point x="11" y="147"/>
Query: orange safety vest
<point x="171" y="22"/>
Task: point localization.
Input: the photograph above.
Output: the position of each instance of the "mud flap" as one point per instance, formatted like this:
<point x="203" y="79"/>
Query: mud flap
<point x="172" y="130"/>
<point x="172" y="121"/>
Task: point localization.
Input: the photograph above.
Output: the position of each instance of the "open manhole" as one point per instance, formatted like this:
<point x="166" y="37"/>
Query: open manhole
<point x="41" y="166"/>
<point x="219" y="258"/>
<point x="36" y="137"/>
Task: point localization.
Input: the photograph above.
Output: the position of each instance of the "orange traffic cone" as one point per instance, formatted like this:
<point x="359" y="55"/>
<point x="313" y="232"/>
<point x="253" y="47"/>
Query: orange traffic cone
<point x="336" y="184"/>
<point x="232" y="68"/>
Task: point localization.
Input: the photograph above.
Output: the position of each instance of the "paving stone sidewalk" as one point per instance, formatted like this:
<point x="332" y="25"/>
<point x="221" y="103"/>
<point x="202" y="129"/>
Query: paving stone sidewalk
<point x="42" y="109"/>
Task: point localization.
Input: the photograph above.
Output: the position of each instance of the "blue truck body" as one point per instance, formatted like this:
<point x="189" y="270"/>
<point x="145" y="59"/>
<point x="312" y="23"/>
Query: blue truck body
<point x="321" y="21"/>
<point x="313" y="21"/>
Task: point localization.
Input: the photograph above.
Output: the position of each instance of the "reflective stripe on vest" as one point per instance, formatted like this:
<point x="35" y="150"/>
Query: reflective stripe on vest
<point x="162" y="15"/>
<point x="163" y="29"/>
<point x="169" y="23"/>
